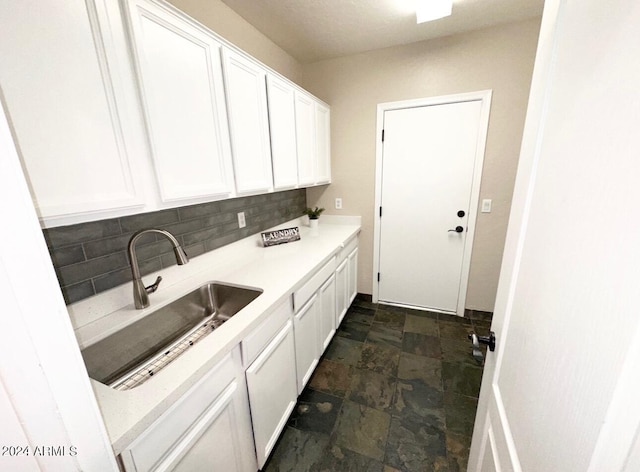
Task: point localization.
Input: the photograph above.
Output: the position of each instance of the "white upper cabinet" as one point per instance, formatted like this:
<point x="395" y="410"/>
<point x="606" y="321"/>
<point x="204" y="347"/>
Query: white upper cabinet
<point x="130" y="106"/>
<point x="71" y="101"/>
<point x="313" y="128"/>
<point x="323" y="143"/>
<point x="248" y="123"/>
<point x="305" y="132"/>
<point x="180" y="76"/>
<point x="282" y="125"/>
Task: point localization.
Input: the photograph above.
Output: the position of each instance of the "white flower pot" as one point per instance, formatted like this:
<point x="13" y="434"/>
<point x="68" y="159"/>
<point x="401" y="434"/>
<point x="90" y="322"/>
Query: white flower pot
<point x="313" y="224"/>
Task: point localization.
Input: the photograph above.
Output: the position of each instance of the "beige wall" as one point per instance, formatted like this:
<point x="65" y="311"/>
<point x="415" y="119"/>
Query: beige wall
<point x="223" y="20"/>
<point x="499" y="58"/>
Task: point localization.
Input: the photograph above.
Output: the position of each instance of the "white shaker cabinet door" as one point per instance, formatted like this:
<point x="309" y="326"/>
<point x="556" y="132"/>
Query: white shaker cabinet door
<point x="305" y="135"/>
<point x="271" y="381"/>
<point x="208" y="429"/>
<point x="180" y="77"/>
<point x="248" y="123"/>
<point x="327" y="312"/>
<point x="342" y="291"/>
<point x="282" y="124"/>
<point x="323" y="144"/>
<point x="353" y="276"/>
<point x="307" y="345"/>
<point x="69" y="95"/>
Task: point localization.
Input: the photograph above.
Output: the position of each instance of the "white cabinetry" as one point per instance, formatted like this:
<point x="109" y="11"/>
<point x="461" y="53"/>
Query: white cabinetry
<point x="352" y="289"/>
<point x="70" y="95"/>
<point x="305" y="134"/>
<point x="342" y="288"/>
<point x="327" y="312"/>
<point x="248" y="123"/>
<point x="313" y="127"/>
<point x="209" y="428"/>
<point x="314" y="321"/>
<point x="269" y="353"/>
<point x="282" y="126"/>
<point x="180" y="77"/>
<point x="306" y="334"/>
<point x="323" y="143"/>
<point x="346" y="278"/>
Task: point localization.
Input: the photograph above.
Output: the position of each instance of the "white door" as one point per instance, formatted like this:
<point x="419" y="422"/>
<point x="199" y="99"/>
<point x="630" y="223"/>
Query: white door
<point x="560" y="393"/>
<point x="430" y="157"/>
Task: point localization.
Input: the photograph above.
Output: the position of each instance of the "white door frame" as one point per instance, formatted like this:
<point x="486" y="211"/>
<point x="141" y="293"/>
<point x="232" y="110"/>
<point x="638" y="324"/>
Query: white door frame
<point x="484" y="96"/>
<point x="45" y="393"/>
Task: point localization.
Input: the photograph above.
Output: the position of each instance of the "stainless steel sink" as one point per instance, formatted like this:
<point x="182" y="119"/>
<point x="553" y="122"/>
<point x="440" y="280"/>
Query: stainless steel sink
<point x="132" y="355"/>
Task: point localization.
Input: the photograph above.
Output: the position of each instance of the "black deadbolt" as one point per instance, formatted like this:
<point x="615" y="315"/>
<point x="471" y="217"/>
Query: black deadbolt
<point x="461" y="213"/>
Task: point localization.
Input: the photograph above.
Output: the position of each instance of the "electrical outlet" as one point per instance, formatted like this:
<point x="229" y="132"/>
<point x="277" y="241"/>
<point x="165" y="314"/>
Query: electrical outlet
<point x="241" y="221"/>
<point x="338" y="203"/>
<point x="486" y="205"/>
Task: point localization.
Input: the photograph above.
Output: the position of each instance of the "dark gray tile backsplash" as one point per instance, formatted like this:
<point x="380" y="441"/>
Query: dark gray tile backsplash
<point x="90" y="258"/>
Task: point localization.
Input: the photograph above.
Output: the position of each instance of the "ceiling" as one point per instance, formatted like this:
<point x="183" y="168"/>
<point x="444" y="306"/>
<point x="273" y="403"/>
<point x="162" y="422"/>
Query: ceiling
<point x="312" y="30"/>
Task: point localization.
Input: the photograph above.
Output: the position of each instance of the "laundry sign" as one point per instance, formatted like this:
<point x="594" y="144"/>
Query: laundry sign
<point x="280" y="236"/>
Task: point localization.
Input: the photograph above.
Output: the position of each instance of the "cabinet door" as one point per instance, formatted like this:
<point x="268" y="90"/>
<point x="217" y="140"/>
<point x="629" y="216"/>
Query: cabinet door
<point x="271" y="381"/>
<point x="327" y="313"/>
<point x="306" y="336"/>
<point x="323" y="144"/>
<point x="248" y="123"/>
<point x="213" y="412"/>
<point x="182" y="89"/>
<point x="282" y="124"/>
<point x="219" y="430"/>
<point x="72" y="107"/>
<point x="305" y="135"/>
<point x="342" y="291"/>
<point x="353" y="275"/>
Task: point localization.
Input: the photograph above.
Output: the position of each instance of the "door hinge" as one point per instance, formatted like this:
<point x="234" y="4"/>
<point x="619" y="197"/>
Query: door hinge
<point x="383" y="136"/>
<point x="378" y="276"/>
<point x="380" y="212"/>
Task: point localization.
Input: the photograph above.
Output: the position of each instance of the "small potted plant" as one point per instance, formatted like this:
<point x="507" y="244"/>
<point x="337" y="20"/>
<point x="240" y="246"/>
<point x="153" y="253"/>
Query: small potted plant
<point x="313" y="215"/>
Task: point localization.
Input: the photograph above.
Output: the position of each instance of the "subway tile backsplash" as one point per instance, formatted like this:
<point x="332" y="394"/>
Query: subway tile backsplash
<point x="90" y="258"/>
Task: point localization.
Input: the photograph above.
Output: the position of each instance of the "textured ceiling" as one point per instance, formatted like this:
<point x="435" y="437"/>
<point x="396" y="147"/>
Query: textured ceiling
<point x="312" y="30"/>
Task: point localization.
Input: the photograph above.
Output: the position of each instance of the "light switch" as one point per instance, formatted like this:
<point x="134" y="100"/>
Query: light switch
<point x="241" y="221"/>
<point x="486" y="205"/>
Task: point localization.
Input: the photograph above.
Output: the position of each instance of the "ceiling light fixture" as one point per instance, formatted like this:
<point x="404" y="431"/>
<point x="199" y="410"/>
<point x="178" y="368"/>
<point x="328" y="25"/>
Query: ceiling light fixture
<point x="429" y="10"/>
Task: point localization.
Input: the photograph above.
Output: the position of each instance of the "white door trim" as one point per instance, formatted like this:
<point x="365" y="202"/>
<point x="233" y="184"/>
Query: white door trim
<point x="45" y="391"/>
<point x="484" y="96"/>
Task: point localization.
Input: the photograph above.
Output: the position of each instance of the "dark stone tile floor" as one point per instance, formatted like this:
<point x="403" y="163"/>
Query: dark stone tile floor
<point x="396" y="390"/>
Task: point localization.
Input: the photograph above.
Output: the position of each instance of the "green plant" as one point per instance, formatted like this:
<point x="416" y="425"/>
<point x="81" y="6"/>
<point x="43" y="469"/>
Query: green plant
<point x="313" y="214"/>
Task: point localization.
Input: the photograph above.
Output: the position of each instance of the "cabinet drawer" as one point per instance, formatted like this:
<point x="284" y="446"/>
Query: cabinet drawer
<point x="305" y="292"/>
<point x="255" y="342"/>
<point x="147" y="452"/>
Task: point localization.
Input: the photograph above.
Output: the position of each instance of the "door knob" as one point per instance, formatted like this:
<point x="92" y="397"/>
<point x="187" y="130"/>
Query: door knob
<point x="459" y="229"/>
<point x="477" y="340"/>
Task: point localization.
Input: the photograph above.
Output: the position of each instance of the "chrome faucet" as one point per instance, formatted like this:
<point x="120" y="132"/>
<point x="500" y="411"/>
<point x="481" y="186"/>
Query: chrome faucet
<point x="140" y="292"/>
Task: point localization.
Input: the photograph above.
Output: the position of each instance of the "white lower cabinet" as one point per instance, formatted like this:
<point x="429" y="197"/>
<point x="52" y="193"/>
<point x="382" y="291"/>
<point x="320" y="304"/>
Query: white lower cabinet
<point x="352" y="290"/>
<point x="271" y="382"/>
<point x="342" y="291"/>
<point x="306" y="326"/>
<point x="208" y="429"/>
<point x="327" y="312"/>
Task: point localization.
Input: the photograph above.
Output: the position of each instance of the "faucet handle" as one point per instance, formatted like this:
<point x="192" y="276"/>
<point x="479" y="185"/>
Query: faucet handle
<point x="154" y="286"/>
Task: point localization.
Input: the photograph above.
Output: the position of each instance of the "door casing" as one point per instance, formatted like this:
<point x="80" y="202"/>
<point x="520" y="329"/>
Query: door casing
<point x="484" y="96"/>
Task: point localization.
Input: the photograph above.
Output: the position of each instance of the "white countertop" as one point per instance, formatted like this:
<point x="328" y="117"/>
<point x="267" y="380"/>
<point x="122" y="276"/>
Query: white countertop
<point x="277" y="270"/>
